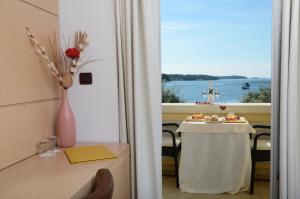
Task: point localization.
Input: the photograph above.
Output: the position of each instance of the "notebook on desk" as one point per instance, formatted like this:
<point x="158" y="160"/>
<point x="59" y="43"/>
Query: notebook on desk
<point x="88" y="153"/>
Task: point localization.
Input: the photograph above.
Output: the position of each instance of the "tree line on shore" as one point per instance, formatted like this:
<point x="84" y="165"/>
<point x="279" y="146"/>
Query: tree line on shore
<point x="193" y="77"/>
<point x="263" y="95"/>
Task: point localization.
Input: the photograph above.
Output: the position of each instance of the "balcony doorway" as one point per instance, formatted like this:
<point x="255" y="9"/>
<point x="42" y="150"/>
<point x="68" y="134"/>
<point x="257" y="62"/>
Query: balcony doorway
<point x="216" y="75"/>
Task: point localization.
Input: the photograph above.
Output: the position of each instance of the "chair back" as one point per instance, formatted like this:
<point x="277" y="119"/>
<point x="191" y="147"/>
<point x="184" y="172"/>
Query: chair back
<point x="103" y="185"/>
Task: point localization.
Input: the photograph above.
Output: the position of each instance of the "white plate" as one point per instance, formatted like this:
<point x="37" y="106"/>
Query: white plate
<point x="210" y="121"/>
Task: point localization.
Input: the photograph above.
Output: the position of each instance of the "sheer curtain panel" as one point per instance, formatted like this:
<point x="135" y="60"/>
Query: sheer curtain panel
<point x="289" y="98"/>
<point x="139" y="75"/>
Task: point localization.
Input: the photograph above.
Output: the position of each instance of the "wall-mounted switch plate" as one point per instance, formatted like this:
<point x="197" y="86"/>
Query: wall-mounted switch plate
<point x="85" y="78"/>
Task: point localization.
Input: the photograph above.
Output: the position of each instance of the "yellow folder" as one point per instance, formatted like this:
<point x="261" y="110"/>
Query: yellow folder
<point x="88" y="153"/>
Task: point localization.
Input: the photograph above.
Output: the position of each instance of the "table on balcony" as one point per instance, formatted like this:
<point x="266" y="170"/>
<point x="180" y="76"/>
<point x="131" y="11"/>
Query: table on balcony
<point x="215" y="157"/>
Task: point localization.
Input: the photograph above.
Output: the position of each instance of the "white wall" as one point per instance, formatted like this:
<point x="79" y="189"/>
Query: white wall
<point x="95" y="106"/>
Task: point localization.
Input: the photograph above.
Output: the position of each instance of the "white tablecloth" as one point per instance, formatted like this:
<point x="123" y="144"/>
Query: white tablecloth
<point x="215" y="157"/>
<point x="203" y="127"/>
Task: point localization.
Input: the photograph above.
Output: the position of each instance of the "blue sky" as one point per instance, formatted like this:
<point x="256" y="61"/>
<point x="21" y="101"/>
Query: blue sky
<point x="216" y="37"/>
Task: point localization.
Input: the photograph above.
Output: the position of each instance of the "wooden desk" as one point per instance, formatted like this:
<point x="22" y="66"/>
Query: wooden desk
<point x="54" y="177"/>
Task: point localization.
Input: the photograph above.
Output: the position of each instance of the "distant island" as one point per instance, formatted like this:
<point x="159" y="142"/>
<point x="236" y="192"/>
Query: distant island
<point x="190" y="77"/>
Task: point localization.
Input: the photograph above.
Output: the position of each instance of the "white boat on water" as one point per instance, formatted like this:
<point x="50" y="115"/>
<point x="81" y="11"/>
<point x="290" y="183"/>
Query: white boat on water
<point x="245" y="86"/>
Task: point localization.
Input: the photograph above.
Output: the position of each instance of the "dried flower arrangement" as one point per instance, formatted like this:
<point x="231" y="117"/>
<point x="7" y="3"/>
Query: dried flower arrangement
<point x="63" y="64"/>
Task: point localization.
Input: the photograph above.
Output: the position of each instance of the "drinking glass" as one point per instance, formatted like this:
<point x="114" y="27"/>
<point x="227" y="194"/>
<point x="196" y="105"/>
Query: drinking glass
<point x="53" y="142"/>
<point x="204" y="93"/>
<point x="43" y="147"/>
<point x="217" y="93"/>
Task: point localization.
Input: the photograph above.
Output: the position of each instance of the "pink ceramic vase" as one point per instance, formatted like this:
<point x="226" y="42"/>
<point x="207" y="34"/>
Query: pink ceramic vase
<point x="65" y="126"/>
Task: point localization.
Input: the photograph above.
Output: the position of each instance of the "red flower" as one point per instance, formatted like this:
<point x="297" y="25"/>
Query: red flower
<point x="72" y="53"/>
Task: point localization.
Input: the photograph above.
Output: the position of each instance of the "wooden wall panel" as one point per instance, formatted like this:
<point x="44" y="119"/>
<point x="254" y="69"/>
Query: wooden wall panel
<point x="28" y="92"/>
<point x="23" y="76"/>
<point x="22" y="126"/>
<point x="50" y="6"/>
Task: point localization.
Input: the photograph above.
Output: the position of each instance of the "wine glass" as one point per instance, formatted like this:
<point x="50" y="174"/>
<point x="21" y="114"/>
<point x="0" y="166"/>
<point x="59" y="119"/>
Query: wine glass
<point x="204" y="93"/>
<point x="217" y="93"/>
<point x="223" y="107"/>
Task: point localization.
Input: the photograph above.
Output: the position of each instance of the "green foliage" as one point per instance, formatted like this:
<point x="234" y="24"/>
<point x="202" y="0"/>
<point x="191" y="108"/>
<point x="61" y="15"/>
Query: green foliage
<point x="169" y="95"/>
<point x="261" y="96"/>
<point x="165" y="77"/>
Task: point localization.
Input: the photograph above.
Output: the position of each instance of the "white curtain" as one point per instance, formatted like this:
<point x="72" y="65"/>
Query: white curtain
<point x="289" y="101"/>
<point x="138" y="45"/>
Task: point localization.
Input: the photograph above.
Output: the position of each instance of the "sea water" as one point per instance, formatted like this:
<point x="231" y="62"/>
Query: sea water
<point x="230" y="89"/>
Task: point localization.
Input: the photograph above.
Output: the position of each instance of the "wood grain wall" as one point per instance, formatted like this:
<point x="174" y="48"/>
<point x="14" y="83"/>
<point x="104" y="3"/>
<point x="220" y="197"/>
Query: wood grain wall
<point x="29" y="95"/>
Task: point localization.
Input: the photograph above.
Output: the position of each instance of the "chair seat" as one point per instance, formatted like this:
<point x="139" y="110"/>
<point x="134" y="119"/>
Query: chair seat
<point x="167" y="141"/>
<point x="263" y="145"/>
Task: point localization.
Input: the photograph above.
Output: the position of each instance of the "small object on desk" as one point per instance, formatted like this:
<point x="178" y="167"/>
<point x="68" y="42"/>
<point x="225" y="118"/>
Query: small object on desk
<point x="47" y="147"/>
<point x="42" y="146"/>
<point x="88" y="153"/>
<point x="53" y="144"/>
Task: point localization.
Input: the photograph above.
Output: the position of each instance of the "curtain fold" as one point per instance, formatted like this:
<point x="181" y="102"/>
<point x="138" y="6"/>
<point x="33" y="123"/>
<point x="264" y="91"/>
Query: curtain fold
<point x="289" y="101"/>
<point x="138" y="48"/>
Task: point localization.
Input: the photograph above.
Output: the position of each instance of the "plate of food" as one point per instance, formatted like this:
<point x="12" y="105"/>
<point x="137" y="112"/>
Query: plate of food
<point x="199" y="117"/>
<point x="233" y="118"/>
<point x="213" y="119"/>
